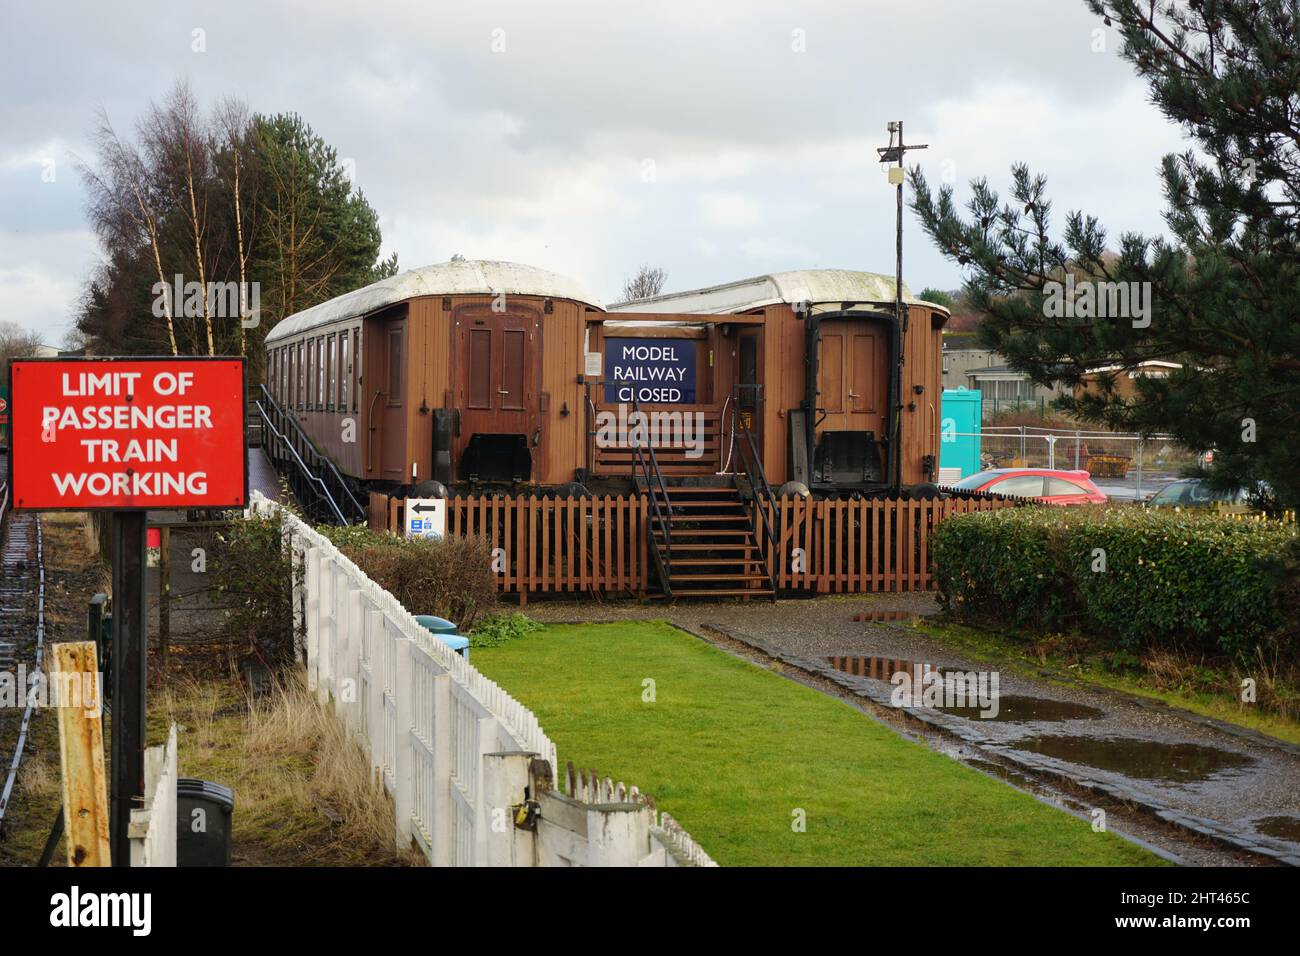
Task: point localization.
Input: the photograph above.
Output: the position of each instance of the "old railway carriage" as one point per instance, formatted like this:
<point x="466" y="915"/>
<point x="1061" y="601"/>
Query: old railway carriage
<point x="460" y="372"/>
<point x="480" y="374"/>
<point x="839" y="397"/>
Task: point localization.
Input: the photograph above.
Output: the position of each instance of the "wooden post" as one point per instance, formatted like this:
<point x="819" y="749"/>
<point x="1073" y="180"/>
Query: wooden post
<point x="81" y="754"/>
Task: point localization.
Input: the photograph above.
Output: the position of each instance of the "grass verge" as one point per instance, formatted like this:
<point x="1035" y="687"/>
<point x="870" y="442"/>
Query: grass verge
<point x="304" y="792"/>
<point x="1207" y="689"/>
<point x="739" y="754"/>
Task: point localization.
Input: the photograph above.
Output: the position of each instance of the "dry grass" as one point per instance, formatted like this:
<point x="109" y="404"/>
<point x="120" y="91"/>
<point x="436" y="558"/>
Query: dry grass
<point x="304" y="792"/>
<point x="1276" y="682"/>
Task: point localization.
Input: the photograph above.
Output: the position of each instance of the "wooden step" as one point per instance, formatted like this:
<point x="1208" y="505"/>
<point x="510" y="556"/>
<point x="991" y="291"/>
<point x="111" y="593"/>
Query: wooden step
<point x="711" y="517"/>
<point x="714" y="547"/>
<point x="687" y="502"/>
<point x="722" y="490"/>
<point x="749" y="576"/>
<point x="714" y="562"/>
<point x="728" y="532"/>
<point x="723" y="592"/>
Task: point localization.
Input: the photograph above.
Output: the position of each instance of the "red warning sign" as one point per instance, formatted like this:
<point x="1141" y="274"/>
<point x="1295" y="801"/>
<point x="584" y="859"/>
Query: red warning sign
<point x="119" y="434"/>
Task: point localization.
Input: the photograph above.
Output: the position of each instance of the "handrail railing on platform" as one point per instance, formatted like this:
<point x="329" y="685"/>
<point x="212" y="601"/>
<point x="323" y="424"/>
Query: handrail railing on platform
<point x="645" y="460"/>
<point x="752" y="461"/>
<point x="313" y="467"/>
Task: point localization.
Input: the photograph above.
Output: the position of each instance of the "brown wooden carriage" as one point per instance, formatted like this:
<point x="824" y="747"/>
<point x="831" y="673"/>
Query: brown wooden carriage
<point x="481" y="374"/>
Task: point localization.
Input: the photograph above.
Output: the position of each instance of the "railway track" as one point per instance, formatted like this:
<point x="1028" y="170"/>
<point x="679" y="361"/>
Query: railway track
<point x="22" y="630"/>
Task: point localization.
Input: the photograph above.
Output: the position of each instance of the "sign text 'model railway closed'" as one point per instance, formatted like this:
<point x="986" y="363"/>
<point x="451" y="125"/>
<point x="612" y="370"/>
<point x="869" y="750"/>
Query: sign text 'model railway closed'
<point x="127" y="433"/>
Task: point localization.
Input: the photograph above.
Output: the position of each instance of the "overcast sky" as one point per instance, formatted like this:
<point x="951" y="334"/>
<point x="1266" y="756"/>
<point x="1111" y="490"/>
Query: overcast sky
<point x="715" y="139"/>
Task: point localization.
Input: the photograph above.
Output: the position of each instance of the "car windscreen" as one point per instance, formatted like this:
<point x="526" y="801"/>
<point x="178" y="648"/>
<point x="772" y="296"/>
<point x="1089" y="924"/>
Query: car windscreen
<point x="971" y="482"/>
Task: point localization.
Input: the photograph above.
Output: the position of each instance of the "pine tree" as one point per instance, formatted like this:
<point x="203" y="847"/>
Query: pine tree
<point x="1223" y="290"/>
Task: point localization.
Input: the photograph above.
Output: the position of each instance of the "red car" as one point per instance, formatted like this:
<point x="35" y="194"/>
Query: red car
<point x="1049" y="485"/>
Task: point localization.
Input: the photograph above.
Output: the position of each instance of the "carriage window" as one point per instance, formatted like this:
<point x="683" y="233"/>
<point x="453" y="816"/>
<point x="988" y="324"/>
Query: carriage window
<point x="345" y="369"/>
<point x="356" y="365"/>
<point x="311" y="375"/>
<point x="395" y="367"/>
<point x="332" y="369"/>
<point x="284" y="375"/>
<point x="320" y="373"/>
<point x="299" y="375"/>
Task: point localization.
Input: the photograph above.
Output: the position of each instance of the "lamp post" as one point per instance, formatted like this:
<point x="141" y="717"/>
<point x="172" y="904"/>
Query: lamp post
<point x="895" y="153"/>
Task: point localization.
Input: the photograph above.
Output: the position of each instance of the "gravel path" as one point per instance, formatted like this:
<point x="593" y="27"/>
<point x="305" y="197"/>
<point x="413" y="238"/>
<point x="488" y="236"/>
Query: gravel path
<point x="1231" y="786"/>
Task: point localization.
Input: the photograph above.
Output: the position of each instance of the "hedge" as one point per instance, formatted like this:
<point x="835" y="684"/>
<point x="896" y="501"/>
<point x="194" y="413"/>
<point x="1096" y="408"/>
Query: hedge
<point x="451" y="577"/>
<point x="1135" y="577"/>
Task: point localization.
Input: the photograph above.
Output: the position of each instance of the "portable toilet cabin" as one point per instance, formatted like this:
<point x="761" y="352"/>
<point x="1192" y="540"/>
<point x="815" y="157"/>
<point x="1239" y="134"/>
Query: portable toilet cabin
<point x="959" y="434"/>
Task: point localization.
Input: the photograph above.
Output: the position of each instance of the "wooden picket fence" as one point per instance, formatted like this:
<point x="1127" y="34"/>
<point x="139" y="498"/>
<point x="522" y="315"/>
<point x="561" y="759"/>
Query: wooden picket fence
<point x="601" y="544"/>
<point x="845" y="546"/>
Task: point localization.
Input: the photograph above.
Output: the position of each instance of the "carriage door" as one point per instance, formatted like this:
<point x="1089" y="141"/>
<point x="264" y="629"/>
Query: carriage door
<point x="497" y="358"/>
<point x="853" y="377"/>
<point x="749" y="400"/>
<point x="387" y="400"/>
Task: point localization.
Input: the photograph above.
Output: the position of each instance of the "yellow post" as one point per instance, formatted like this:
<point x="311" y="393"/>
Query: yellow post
<point x="75" y="682"/>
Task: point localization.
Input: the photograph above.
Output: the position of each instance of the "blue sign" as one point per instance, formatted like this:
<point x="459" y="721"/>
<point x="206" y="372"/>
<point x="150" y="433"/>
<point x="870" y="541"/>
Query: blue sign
<point x="656" y="371"/>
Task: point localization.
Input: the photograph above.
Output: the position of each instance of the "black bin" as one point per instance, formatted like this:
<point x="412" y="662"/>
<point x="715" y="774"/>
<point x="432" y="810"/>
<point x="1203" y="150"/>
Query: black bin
<point x="204" y="812"/>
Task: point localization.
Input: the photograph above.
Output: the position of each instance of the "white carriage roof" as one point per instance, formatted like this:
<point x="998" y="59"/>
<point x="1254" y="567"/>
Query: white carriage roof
<point x="462" y="277"/>
<point x="808" y="285"/>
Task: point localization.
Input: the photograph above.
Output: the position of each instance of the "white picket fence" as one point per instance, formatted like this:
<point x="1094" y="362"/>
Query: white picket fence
<point x="456" y="752"/>
<point x="152" y="833"/>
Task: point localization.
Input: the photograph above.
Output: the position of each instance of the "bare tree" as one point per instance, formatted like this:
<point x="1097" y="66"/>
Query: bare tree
<point x="123" y="207"/>
<point x="15" y="342"/>
<point x="175" y="138"/>
<point x="645" y="283"/>
<point x="233" y="127"/>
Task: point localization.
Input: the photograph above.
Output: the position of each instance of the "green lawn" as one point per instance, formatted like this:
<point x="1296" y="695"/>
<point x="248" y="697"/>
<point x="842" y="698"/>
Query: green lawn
<point x="732" y="750"/>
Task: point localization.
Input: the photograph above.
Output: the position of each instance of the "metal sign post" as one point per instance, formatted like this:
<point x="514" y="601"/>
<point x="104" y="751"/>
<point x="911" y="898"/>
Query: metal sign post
<point x="130" y="678"/>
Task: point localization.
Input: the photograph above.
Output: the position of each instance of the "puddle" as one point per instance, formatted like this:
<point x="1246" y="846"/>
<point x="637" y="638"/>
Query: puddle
<point x="882" y="668"/>
<point x="1017" y="708"/>
<point x="867" y="617"/>
<point x="1004" y="773"/>
<point x="1284" y="828"/>
<point x="1140" y="759"/>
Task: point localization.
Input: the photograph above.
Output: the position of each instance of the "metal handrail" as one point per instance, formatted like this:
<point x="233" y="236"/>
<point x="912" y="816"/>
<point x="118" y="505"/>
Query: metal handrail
<point x="300" y="440"/>
<point x="302" y="465"/>
<point x="655" y="481"/>
<point x="765" y="500"/>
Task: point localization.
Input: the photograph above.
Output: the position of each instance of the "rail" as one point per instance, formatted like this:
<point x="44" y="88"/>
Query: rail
<point x="764" y="500"/>
<point x="644" y="460"/>
<point x="39" y="651"/>
<point x="312" y="467"/>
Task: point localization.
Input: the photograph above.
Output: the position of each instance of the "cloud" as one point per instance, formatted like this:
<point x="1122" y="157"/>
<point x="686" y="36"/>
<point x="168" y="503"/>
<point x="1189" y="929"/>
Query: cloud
<point x="729" y="210"/>
<point x="590" y="138"/>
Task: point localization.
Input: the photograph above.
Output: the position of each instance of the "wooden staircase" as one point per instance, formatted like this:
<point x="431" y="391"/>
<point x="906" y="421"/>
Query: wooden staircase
<point x="714" y="549"/>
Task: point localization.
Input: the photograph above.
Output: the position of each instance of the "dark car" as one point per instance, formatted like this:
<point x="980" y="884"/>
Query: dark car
<point x="1197" y="493"/>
